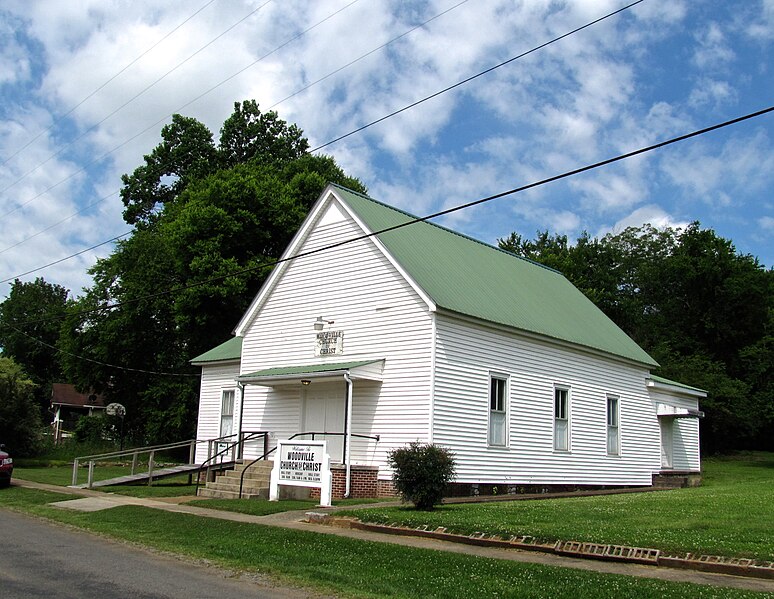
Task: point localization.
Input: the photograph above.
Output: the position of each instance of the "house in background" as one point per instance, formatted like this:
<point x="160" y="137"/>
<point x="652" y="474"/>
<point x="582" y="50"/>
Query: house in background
<point x="419" y="333"/>
<point x="68" y="405"/>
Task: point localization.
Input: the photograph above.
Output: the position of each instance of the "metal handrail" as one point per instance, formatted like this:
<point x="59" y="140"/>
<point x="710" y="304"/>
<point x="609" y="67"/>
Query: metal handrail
<point x="269" y="452"/>
<point x="150" y="449"/>
<point x="243" y="437"/>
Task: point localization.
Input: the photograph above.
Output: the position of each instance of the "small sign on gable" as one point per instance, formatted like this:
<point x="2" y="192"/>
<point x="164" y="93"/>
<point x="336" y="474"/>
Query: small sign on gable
<point x="329" y="343"/>
<point x="302" y="464"/>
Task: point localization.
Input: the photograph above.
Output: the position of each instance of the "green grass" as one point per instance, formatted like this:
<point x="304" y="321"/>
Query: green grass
<point x="731" y="514"/>
<point x="260" y="507"/>
<point x="351" y="567"/>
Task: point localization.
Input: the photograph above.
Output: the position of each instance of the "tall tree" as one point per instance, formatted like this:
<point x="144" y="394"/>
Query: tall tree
<point x="208" y="235"/>
<point x="30" y="318"/>
<point x="702" y="310"/>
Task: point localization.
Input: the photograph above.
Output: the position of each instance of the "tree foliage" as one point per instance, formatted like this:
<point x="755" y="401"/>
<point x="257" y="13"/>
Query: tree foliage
<point x="701" y="309"/>
<point x="29" y="331"/>
<point x="20" y="425"/>
<point x="207" y="221"/>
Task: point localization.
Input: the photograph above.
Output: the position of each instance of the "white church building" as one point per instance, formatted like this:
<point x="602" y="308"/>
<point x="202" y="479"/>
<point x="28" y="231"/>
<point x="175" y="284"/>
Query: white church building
<point x="375" y="331"/>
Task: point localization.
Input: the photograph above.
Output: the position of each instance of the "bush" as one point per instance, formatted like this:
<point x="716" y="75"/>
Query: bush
<point x="94" y="430"/>
<point x="421" y="473"/>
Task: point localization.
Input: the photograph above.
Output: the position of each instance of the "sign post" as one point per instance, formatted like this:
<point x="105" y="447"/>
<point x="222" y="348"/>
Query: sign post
<point x="302" y="464"/>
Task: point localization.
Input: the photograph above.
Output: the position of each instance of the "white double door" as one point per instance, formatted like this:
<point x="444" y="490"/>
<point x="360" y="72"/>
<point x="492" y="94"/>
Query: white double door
<point x="323" y="412"/>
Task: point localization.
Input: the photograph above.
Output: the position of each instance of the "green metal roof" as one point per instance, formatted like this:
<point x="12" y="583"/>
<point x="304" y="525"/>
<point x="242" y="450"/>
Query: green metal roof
<point x="309" y="369"/>
<point x="225" y="352"/>
<point x="663" y="381"/>
<point x="472" y="278"/>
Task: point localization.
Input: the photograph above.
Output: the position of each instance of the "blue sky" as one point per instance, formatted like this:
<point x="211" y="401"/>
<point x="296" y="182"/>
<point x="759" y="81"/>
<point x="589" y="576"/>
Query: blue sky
<point x="652" y="72"/>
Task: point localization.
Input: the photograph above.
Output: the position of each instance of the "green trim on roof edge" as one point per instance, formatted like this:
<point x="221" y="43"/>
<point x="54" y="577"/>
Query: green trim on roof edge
<point x="472" y="278"/>
<point x="228" y="351"/>
<point x="308" y="369"/>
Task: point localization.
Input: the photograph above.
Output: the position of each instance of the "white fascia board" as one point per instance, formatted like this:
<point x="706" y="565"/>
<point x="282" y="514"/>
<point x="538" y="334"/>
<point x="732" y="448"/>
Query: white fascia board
<point x="431" y="306"/>
<point x="279" y="270"/>
<point x="328" y="195"/>
<point x="676" y="389"/>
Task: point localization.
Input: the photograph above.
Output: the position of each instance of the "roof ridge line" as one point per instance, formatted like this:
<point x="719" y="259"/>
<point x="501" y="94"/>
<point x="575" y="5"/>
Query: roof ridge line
<point x="447" y="230"/>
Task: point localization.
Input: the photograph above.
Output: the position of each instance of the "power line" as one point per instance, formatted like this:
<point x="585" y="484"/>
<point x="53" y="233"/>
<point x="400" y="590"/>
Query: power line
<point x="476" y="76"/>
<point x="414" y="220"/>
<point x="125" y="104"/>
<point x="116" y="366"/>
<point x="61" y="117"/>
<point x="362" y="56"/>
<point x="535" y="49"/>
<point x="117" y="237"/>
<point x="56" y="224"/>
<point x="158" y="122"/>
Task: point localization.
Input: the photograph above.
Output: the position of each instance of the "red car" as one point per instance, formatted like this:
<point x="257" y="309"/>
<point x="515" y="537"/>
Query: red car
<point x="6" y="467"/>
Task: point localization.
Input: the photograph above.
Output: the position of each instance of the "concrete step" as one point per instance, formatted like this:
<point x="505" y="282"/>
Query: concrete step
<point x="233" y="485"/>
<point x="249" y="475"/>
<point x="224" y="494"/>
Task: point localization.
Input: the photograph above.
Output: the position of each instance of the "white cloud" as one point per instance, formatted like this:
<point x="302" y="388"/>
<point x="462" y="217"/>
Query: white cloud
<point x="650" y="214"/>
<point x="712" y="49"/>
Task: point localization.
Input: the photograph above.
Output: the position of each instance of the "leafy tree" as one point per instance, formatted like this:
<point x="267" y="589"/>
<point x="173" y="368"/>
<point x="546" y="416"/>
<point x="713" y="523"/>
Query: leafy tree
<point x="702" y="310"/>
<point x="208" y="229"/>
<point x="249" y="135"/>
<point x="20" y="426"/>
<point x="31" y="312"/>
<point x="186" y="154"/>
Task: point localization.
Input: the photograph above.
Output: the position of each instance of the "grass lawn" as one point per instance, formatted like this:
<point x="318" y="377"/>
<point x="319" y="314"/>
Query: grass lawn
<point x="260" y="507"/>
<point x="731" y="514"/>
<point x="347" y="566"/>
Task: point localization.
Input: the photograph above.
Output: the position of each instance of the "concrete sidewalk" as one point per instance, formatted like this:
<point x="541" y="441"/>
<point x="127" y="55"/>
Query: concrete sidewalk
<point x="87" y="500"/>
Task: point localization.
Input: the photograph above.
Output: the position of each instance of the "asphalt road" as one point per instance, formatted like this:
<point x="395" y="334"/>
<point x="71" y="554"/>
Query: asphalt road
<point x="39" y="559"/>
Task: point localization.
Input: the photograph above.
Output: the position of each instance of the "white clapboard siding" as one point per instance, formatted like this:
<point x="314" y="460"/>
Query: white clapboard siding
<point x="466" y="355"/>
<point x="381" y="316"/>
<point x="685" y="431"/>
<point x="215" y="379"/>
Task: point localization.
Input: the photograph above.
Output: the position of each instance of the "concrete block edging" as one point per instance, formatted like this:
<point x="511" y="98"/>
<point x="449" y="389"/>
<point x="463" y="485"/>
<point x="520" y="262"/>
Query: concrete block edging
<point x="619" y="553"/>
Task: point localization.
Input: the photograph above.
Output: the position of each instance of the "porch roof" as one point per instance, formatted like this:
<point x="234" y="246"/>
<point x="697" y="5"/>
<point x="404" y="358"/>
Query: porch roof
<point x="362" y="369"/>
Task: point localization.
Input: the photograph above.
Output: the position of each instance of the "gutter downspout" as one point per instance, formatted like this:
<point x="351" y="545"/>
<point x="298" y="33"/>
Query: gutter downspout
<point x="347" y="435"/>
<point x="241" y="388"/>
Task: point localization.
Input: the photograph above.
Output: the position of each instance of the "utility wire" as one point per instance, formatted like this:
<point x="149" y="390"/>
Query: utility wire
<point x="153" y="125"/>
<point x="56" y="224"/>
<point x="61" y="117"/>
<point x="29" y="272"/>
<point x="360" y="128"/>
<point x="125" y="104"/>
<point x="414" y="220"/>
<point x="362" y="56"/>
<point x="476" y="76"/>
<point x="116" y="366"/>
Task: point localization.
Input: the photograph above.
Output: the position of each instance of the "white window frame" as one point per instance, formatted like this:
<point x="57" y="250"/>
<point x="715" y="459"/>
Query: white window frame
<point x="613" y="423"/>
<point x="561" y="422"/>
<point x="497" y="410"/>
<point x="223" y="413"/>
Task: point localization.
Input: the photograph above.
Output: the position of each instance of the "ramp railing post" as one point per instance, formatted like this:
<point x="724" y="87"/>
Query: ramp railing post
<point x="150" y="468"/>
<point x="192" y="453"/>
<point x="134" y="462"/>
<point x="75" y="472"/>
<point x="91" y="473"/>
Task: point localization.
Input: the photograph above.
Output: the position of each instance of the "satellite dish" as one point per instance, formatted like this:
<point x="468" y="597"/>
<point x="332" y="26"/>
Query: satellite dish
<point x="115" y="409"/>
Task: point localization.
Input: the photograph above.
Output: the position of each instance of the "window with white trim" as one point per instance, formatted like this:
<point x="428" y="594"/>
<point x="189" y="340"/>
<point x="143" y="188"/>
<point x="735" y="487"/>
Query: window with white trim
<point x="613" y="436"/>
<point x="561" y="419"/>
<point x="498" y="402"/>
<point x="227" y="412"/>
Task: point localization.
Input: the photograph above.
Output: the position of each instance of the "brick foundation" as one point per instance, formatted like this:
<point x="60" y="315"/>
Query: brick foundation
<point x="364" y="482"/>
